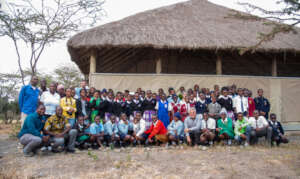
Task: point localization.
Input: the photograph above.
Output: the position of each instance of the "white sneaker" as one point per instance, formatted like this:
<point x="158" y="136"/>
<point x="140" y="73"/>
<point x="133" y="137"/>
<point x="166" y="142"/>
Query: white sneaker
<point x="246" y="144"/>
<point x="44" y="149"/>
<point x="49" y="148"/>
<point x="229" y="142"/>
<point x="210" y="143"/>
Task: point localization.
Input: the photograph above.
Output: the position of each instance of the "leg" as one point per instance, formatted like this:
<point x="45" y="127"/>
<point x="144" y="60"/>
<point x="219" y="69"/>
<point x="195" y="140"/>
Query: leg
<point x="23" y="117"/>
<point x="203" y="138"/>
<point x="253" y="138"/>
<point x="30" y="142"/>
<point x="58" y="142"/>
<point x="248" y="133"/>
<point x="71" y="139"/>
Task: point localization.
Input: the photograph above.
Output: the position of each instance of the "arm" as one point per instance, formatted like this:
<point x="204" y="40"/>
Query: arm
<point x="74" y="105"/>
<point x="21" y="95"/>
<point x="142" y="129"/>
<point x="109" y="129"/>
<point x="180" y="129"/>
<point x="29" y="122"/>
<point x="155" y="130"/>
<point x="197" y="127"/>
<point x="63" y="104"/>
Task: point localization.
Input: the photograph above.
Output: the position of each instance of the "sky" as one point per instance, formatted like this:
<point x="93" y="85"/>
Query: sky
<point x="57" y="53"/>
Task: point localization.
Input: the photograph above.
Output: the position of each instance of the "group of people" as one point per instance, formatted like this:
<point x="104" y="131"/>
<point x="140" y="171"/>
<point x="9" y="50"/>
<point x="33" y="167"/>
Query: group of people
<point x="58" y="119"/>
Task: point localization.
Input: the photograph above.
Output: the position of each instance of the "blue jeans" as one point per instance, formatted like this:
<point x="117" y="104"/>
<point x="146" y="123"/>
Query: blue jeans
<point x="247" y="134"/>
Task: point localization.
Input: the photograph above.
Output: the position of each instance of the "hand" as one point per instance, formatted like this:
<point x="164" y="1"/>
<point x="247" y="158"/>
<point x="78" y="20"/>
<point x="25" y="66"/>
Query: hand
<point x="240" y="128"/>
<point x="45" y="138"/>
<point x="86" y="117"/>
<point x="186" y="130"/>
<point x="59" y="135"/>
<point x="218" y="129"/>
<point x="150" y="140"/>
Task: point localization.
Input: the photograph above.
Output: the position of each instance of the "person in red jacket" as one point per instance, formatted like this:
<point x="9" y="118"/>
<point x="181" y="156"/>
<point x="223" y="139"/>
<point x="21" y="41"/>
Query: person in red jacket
<point x="157" y="130"/>
<point x="251" y="103"/>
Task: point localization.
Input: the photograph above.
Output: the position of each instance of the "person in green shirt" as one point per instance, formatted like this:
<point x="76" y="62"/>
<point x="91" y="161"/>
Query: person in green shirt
<point x="242" y="130"/>
<point x="94" y="105"/>
<point x="225" y="130"/>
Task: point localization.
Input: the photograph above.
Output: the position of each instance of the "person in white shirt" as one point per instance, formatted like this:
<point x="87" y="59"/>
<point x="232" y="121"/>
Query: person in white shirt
<point x="51" y="100"/>
<point x="259" y="128"/>
<point x="208" y="128"/>
<point x="141" y="128"/>
<point x="240" y="102"/>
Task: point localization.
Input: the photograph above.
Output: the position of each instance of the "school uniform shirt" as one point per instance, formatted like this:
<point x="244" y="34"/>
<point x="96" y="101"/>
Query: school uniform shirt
<point x="123" y="128"/>
<point x="176" y="126"/>
<point x="128" y="108"/>
<point x="251" y="106"/>
<point x="262" y="104"/>
<point x="210" y="124"/>
<point x="277" y="128"/>
<point x="214" y="108"/>
<point x="225" y="102"/>
<point x="184" y="109"/>
<point x="82" y="106"/>
<point x="108" y="106"/>
<point x="136" y="105"/>
<point x="240" y="103"/>
<point x="260" y="122"/>
<point x="148" y="104"/>
<point x="142" y="129"/>
<point x="136" y="127"/>
<point x="109" y="129"/>
<point x="28" y="99"/>
<point x="226" y="127"/>
<point x="118" y="107"/>
<point x="67" y="104"/>
<point x="201" y="106"/>
<point x="192" y="103"/>
<point x="50" y="101"/>
<point x="175" y="106"/>
<point x="96" y="128"/>
<point x="56" y="124"/>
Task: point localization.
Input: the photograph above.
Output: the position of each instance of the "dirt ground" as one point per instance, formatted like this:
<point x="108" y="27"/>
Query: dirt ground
<point x="156" y="162"/>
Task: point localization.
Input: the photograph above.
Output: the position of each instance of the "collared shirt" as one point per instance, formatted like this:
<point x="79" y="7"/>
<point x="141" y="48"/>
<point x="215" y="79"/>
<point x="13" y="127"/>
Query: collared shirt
<point x="237" y="104"/>
<point x="96" y="128"/>
<point x="258" y="123"/>
<point x="56" y="124"/>
<point x="214" y="108"/>
<point x="33" y="124"/>
<point x="51" y="101"/>
<point x="194" y="125"/>
<point x="210" y="123"/>
<point x="240" y="126"/>
<point x="176" y="126"/>
<point x="67" y="104"/>
<point x="123" y="128"/>
<point x="28" y="99"/>
<point x="167" y="105"/>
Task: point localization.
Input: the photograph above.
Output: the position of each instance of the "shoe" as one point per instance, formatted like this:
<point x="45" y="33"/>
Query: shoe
<point x="29" y="154"/>
<point x="44" y="149"/>
<point x="49" y="148"/>
<point x="71" y="150"/>
<point x="229" y="142"/>
<point x="246" y="144"/>
<point x="173" y="143"/>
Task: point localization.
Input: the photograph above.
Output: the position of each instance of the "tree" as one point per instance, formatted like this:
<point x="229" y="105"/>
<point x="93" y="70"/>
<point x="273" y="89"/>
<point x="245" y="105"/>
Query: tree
<point x="68" y="74"/>
<point x="282" y="21"/>
<point x="39" y="23"/>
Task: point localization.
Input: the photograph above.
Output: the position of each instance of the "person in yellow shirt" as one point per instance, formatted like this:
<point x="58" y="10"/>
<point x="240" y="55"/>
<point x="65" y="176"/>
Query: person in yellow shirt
<point x="68" y="105"/>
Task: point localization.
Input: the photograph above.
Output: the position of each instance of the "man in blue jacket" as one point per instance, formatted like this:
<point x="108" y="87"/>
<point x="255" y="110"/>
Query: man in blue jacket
<point x="31" y="133"/>
<point x="29" y="98"/>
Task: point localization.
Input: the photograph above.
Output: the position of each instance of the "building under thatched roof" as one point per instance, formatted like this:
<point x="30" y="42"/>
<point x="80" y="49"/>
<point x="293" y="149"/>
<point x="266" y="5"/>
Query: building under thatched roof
<point x="194" y="37"/>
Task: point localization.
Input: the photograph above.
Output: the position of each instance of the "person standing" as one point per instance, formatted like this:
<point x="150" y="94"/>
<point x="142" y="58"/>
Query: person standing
<point x="226" y="102"/>
<point x="214" y="108"/>
<point x="68" y="105"/>
<point x="148" y="106"/>
<point x="51" y="100"/>
<point x="29" y="98"/>
<point x="240" y="103"/>
<point x="163" y="108"/>
<point x="31" y="136"/>
<point x="82" y="85"/>
<point x="262" y="103"/>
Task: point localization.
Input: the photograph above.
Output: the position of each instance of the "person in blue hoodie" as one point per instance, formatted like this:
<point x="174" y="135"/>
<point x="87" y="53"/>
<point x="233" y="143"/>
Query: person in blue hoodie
<point x="176" y="129"/>
<point x="123" y="126"/>
<point x="29" y="98"/>
<point x="31" y="132"/>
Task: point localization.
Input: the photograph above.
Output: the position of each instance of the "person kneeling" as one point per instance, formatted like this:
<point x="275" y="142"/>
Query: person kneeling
<point x="225" y="130"/>
<point x="175" y="130"/>
<point x="59" y="130"/>
<point x="96" y="133"/>
<point x="82" y="136"/>
<point x="192" y="126"/>
<point x="242" y="130"/>
<point x="278" y="132"/>
<point x="157" y="131"/>
<point x="123" y="126"/>
<point x="110" y="131"/>
<point x="208" y="128"/>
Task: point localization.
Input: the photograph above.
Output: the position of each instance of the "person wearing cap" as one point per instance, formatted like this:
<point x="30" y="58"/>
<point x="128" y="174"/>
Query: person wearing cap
<point x="208" y="129"/>
<point x="192" y="126"/>
<point x="176" y="129"/>
<point x="224" y="128"/>
<point x="278" y="132"/>
<point x="61" y="90"/>
<point x="157" y="131"/>
<point x="163" y="108"/>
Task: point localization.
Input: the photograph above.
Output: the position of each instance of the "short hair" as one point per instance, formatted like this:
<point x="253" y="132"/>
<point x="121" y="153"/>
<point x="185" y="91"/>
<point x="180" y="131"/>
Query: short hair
<point x="240" y="113"/>
<point x="260" y="89"/>
<point x="192" y="109"/>
<point x="273" y="115"/>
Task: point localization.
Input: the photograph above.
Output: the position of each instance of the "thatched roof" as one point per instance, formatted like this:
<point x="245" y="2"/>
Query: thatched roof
<point x="196" y="24"/>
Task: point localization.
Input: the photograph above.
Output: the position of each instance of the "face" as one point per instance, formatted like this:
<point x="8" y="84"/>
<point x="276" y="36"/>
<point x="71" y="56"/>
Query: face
<point x="138" y="116"/>
<point x="213" y="98"/>
<point x="225" y="92"/>
<point x="80" y="121"/>
<point x="73" y="92"/>
<point x="273" y="118"/>
<point x="223" y="115"/>
<point x="59" y="111"/>
<point x="255" y="114"/>
<point x="34" y="81"/>
<point x="181" y="89"/>
<point x="205" y="116"/>
<point x="240" y="117"/>
<point x="110" y="96"/>
<point x="154" y="118"/>
<point x="61" y="91"/>
<point x="176" y="119"/>
<point x="174" y="98"/>
<point x="196" y="88"/>
<point x="96" y="95"/>
<point x="41" y="110"/>
<point x="43" y="83"/>
<point x="240" y="92"/>
<point x="202" y="97"/>
<point x="129" y="98"/>
<point x="123" y="117"/>
<point x="52" y="88"/>
<point x="68" y="92"/>
<point x="193" y="114"/>
<point x="113" y="119"/>
<point x="154" y="96"/>
<point x="136" y="96"/>
<point x="82" y="93"/>
<point x="97" y="119"/>
<point x="135" y="120"/>
<point x="246" y="93"/>
<point x="216" y="87"/>
<point x="149" y="94"/>
<point x="82" y="84"/>
<point x="186" y="98"/>
<point x="160" y="90"/>
<point x="260" y="92"/>
<point x="163" y="97"/>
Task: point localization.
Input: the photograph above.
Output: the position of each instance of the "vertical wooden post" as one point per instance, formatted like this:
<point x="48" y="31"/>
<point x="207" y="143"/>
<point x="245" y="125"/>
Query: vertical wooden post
<point x="274" y="67"/>
<point x="219" y="65"/>
<point x="158" y="66"/>
<point x="93" y="63"/>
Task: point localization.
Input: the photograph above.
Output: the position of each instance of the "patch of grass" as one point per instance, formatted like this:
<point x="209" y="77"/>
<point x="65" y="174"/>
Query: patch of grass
<point x="93" y="156"/>
<point x="15" y="129"/>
